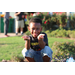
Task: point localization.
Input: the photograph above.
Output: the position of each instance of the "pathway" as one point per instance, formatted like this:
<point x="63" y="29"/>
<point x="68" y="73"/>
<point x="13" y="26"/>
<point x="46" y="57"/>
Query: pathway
<point x="13" y="34"/>
<point x="10" y="35"/>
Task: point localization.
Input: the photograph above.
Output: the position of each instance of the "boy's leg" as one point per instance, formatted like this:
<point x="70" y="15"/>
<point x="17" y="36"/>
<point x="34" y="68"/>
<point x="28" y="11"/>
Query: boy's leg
<point x="28" y="59"/>
<point x="47" y="54"/>
<point x="46" y="58"/>
<point x="28" y="54"/>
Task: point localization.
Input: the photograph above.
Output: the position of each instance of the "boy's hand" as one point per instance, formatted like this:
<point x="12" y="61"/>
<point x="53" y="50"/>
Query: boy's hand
<point x="26" y="37"/>
<point x="41" y="37"/>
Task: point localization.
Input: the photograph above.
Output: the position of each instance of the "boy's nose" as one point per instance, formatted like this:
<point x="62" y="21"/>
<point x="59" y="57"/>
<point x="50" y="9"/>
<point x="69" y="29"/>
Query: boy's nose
<point x="35" y="30"/>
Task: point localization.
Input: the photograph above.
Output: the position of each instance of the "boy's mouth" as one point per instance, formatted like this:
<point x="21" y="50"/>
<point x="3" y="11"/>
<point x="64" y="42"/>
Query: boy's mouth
<point x="35" y="35"/>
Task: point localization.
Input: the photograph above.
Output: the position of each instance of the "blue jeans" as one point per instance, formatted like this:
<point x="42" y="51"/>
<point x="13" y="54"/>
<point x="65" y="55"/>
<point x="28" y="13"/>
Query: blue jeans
<point x="38" y="55"/>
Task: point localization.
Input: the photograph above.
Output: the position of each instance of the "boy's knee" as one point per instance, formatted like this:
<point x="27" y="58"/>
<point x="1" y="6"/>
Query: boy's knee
<point x="47" y="49"/>
<point x="28" y="53"/>
<point x="23" y="52"/>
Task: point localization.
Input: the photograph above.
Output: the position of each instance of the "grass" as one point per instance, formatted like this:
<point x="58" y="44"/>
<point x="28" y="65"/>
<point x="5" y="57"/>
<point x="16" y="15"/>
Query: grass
<point x="12" y="46"/>
<point x="51" y="40"/>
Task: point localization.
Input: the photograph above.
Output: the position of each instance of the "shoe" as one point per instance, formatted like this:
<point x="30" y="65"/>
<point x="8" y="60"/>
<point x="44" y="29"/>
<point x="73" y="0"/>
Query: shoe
<point x="21" y="33"/>
<point x="16" y="33"/>
<point x="7" y="35"/>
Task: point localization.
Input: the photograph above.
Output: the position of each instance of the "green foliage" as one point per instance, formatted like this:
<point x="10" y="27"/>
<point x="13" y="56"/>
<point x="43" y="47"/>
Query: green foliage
<point x="17" y="58"/>
<point x="47" y="32"/>
<point x="63" y="49"/>
<point x="62" y="33"/>
<point x="71" y="34"/>
<point x="58" y="33"/>
<point x="28" y="32"/>
<point x="48" y="20"/>
<point x="62" y="19"/>
<point x="28" y="18"/>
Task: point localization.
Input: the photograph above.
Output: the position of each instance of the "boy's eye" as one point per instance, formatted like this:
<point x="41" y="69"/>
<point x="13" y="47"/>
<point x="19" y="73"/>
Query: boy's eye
<point x="37" y="28"/>
<point x="34" y="29"/>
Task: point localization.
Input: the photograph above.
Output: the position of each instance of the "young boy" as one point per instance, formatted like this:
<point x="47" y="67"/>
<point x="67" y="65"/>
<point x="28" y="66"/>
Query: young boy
<point x="36" y="45"/>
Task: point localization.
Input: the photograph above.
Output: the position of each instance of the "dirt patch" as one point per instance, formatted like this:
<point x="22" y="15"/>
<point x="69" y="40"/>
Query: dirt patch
<point x="22" y="60"/>
<point x="15" y="59"/>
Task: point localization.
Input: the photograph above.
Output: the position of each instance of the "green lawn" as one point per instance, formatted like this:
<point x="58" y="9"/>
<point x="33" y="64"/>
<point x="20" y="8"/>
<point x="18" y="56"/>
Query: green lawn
<point x="13" y="46"/>
<point x="10" y="46"/>
<point x="51" y="40"/>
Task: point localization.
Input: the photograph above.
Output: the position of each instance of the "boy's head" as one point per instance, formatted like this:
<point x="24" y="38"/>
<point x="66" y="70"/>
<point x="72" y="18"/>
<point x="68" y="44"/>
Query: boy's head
<point x="35" y="26"/>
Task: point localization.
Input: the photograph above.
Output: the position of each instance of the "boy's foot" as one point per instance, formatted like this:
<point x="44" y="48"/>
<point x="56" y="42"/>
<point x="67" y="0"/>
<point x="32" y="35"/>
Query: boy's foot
<point x="7" y="35"/>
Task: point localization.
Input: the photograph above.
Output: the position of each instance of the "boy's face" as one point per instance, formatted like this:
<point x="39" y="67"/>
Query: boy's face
<point x="35" y="29"/>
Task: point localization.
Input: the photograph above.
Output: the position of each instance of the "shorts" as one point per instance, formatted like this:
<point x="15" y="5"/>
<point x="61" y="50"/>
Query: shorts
<point x="20" y="23"/>
<point x="38" y="55"/>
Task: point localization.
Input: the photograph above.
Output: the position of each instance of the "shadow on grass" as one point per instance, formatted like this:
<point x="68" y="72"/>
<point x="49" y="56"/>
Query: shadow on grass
<point x="7" y="43"/>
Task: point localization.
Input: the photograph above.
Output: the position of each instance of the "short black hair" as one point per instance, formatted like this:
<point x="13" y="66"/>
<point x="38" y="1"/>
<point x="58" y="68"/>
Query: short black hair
<point x="35" y="20"/>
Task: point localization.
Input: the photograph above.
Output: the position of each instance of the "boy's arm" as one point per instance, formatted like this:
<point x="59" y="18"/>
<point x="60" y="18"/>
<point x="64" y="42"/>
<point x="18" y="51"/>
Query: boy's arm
<point x="41" y="44"/>
<point x="40" y="40"/>
<point x="27" y="42"/>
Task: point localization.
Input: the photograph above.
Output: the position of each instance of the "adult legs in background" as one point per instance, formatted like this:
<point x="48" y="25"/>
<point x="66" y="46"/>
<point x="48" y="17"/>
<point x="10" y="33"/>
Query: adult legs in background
<point x="6" y="25"/>
<point x="22" y="26"/>
<point x="18" y="25"/>
<point x="21" y="31"/>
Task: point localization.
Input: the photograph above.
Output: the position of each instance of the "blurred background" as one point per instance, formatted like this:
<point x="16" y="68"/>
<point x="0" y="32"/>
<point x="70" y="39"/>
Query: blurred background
<point x="50" y="20"/>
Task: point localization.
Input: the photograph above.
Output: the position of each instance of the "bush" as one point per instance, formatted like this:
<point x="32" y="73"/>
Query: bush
<point x="53" y="33"/>
<point x="63" y="50"/>
<point x="59" y="33"/>
<point x="49" y="21"/>
<point x="62" y="33"/>
<point x="71" y="34"/>
<point x="28" y="33"/>
<point x="48" y="32"/>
